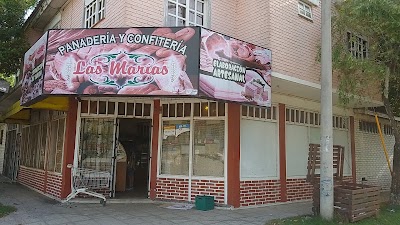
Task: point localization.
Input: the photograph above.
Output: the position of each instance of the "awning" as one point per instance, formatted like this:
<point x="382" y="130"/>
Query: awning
<point x="20" y="113"/>
<point x="52" y="103"/>
<point x="16" y="112"/>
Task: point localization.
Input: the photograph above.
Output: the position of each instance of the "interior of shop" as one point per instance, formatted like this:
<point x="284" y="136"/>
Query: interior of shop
<point x="133" y="151"/>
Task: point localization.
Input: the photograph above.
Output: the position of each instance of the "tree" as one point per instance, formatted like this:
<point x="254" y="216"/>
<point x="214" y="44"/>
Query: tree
<point x="13" y="43"/>
<point x="375" y="24"/>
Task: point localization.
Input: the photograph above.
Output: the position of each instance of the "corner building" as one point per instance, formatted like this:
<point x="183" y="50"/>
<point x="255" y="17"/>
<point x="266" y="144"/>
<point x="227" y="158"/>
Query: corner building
<point x="206" y="141"/>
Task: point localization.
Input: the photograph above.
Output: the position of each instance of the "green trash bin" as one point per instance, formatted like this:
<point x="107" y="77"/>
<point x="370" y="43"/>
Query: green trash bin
<point x="204" y="202"/>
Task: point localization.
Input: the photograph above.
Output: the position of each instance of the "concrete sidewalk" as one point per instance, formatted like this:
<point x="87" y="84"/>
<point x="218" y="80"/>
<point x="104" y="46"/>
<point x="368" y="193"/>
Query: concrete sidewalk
<point x="35" y="209"/>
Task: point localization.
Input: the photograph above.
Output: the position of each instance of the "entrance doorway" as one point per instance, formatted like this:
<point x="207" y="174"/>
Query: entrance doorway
<point x="132" y="162"/>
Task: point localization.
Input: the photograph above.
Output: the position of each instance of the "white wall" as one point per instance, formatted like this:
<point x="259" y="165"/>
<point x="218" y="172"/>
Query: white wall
<point x="298" y="138"/>
<point x="259" y="150"/>
<point x="297" y="141"/>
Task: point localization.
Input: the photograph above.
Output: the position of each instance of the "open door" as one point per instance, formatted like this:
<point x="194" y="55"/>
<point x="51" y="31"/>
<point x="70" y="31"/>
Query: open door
<point x="133" y="158"/>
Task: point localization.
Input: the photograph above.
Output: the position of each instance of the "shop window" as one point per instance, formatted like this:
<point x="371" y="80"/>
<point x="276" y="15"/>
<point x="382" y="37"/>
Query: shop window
<point x="188" y="108"/>
<point x="372" y="127"/>
<point x="121" y="108"/>
<point x="200" y="109"/>
<point x="187" y="13"/>
<point x="387" y="129"/>
<point x="175" y="147"/>
<point x="94" y="12"/>
<point x="259" y="113"/>
<point x="207" y="145"/>
<point x="298" y="116"/>
<point x="197" y="109"/>
<point x="147" y="110"/>
<point x="84" y="106"/>
<point x="208" y="156"/>
<point x="109" y="108"/>
<point x="305" y="10"/>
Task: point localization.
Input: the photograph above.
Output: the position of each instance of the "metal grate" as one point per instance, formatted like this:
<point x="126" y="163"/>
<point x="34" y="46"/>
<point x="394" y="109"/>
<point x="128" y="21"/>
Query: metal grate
<point x="96" y="144"/>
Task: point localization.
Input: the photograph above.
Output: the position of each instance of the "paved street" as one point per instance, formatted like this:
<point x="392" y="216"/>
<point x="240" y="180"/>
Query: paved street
<point x="35" y="209"/>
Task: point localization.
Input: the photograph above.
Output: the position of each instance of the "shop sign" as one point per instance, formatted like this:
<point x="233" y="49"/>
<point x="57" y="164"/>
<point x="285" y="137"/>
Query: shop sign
<point x="182" y="128"/>
<point x="234" y="70"/>
<point x="169" y="131"/>
<point x="122" y="62"/>
<point x="164" y="61"/>
<point x="32" y="84"/>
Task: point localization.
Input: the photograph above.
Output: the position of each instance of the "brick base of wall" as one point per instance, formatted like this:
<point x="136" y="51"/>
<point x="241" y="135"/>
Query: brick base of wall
<point x="32" y="178"/>
<point x="260" y="192"/>
<point x="177" y="189"/>
<point x="53" y="186"/>
<point x="36" y="179"/>
<point x="299" y="189"/>
<point x="209" y="187"/>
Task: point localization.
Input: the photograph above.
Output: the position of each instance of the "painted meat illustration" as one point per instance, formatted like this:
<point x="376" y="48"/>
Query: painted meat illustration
<point x="137" y="68"/>
<point x="256" y="86"/>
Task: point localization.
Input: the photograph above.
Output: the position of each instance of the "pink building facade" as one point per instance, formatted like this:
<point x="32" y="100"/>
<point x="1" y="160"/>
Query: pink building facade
<point x="262" y="153"/>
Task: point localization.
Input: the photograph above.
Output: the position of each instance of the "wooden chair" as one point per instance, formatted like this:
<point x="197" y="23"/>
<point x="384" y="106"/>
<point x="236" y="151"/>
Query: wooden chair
<point x="314" y="163"/>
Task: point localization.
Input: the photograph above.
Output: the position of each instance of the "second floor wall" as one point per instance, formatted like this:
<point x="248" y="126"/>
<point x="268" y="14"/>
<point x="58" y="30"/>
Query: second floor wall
<point x="294" y="38"/>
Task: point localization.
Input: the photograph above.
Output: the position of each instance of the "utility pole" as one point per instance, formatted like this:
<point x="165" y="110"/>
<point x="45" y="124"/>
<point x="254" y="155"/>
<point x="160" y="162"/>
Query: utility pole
<point x="326" y="181"/>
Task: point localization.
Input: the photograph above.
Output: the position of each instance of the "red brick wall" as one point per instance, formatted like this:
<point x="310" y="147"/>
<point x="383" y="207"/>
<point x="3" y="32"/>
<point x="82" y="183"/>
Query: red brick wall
<point x="177" y="189"/>
<point x="172" y="189"/>
<point x="54" y="182"/>
<point x="299" y="189"/>
<point x="33" y="178"/>
<point x="259" y="192"/>
<point x="209" y="187"/>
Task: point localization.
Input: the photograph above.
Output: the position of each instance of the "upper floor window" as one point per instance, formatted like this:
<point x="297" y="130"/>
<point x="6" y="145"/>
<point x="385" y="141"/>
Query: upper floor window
<point x="305" y="10"/>
<point x="187" y="13"/>
<point x="357" y="46"/>
<point x="94" y="12"/>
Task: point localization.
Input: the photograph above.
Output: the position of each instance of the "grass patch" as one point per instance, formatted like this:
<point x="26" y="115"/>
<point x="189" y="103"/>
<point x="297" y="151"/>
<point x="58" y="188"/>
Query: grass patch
<point x="5" y="210"/>
<point x="387" y="216"/>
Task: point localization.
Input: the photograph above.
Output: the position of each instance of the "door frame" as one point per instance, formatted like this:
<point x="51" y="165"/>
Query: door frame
<point x="116" y="118"/>
<point x="149" y="122"/>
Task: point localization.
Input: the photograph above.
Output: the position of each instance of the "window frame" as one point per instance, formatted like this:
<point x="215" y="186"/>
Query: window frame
<point x="192" y="119"/>
<point x="206" y="13"/>
<point x="86" y="19"/>
<point x="351" y="38"/>
<point x="301" y="5"/>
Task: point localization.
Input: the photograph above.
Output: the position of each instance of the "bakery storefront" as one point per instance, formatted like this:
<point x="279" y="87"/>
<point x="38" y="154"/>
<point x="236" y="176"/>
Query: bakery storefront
<point x="156" y="108"/>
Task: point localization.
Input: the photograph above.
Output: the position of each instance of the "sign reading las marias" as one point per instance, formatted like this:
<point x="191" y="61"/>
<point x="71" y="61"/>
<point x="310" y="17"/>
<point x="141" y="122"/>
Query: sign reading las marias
<point x="165" y="61"/>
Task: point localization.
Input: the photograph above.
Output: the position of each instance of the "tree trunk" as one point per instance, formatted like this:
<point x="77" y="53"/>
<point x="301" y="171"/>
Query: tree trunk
<point x="395" y="187"/>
